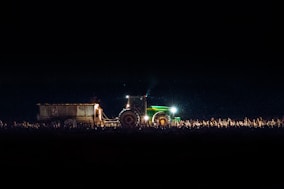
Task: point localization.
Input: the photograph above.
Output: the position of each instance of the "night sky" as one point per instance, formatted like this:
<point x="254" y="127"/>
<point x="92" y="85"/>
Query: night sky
<point x="228" y="65"/>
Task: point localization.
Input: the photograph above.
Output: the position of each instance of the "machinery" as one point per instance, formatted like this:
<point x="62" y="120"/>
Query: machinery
<point x="138" y="113"/>
<point x="135" y="113"/>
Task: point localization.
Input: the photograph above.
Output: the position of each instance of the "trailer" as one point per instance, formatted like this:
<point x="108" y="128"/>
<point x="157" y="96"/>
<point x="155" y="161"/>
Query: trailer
<point x="71" y="113"/>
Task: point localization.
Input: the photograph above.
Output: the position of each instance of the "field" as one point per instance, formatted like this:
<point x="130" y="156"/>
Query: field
<point x="203" y="157"/>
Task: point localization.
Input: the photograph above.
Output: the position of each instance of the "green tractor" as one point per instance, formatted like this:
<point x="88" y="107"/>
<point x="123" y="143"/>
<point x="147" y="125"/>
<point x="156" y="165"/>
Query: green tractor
<point x="138" y="113"/>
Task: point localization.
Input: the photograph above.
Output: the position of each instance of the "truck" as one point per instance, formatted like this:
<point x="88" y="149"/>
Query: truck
<point x="138" y="113"/>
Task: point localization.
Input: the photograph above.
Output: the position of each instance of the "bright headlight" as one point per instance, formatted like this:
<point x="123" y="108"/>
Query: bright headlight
<point x="146" y="118"/>
<point x="173" y="110"/>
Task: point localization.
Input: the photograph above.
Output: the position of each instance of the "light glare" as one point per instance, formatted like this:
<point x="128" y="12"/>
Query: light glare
<point x="146" y="117"/>
<point x="173" y="110"/>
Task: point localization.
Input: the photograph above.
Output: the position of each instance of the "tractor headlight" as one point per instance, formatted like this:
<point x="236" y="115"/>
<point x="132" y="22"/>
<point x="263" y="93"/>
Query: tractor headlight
<point x="173" y="110"/>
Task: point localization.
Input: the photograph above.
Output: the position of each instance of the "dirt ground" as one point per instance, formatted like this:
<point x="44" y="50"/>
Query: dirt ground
<point x="157" y="157"/>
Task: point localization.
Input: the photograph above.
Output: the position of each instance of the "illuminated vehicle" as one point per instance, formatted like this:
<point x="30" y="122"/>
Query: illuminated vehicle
<point x="135" y="113"/>
<point x="138" y="113"/>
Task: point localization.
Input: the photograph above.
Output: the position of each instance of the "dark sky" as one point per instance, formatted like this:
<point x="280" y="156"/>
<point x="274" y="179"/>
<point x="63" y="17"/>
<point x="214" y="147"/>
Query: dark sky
<point x="208" y="63"/>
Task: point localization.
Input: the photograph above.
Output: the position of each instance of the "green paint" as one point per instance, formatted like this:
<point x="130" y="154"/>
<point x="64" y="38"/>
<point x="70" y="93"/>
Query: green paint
<point x="151" y="110"/>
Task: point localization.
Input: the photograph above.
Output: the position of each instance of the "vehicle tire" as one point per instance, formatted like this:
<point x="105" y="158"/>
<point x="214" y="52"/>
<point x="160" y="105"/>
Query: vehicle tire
<point x="129" y="118"/>
<point x="70" y="123"/>
<point x="161" y="119"/>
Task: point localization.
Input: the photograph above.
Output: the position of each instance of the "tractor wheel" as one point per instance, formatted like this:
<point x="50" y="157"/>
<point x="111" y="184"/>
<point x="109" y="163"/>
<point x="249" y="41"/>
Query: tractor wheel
<point x="161" y="119"/>
<point x="70" y="123"/>
<point x="128" y="118"/>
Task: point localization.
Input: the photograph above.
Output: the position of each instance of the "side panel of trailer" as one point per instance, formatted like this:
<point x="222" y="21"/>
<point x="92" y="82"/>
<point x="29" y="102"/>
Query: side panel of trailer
<point x="85" y="113"/>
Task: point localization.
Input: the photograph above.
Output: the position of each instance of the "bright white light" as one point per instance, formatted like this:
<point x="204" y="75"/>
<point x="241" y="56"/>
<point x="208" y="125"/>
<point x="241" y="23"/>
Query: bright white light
<point x="146" y="117"/>
<point x="127" y="96"/>
<point x="173" y="110"/>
